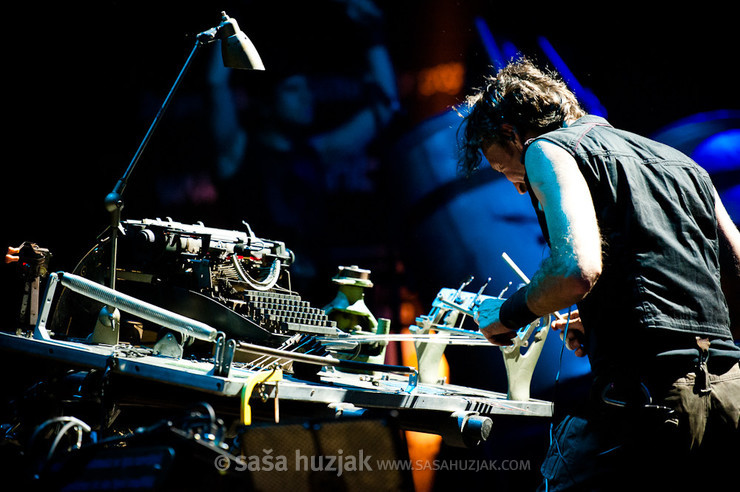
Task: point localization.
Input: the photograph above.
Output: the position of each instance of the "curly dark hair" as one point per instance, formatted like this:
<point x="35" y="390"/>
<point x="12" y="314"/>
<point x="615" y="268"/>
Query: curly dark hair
<point x="520" y="94"/>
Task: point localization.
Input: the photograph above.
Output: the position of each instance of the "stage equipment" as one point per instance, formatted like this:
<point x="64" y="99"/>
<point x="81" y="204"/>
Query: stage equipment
<point x="34" y="262"/>
<point x="213" y="314"/>
<point x="520" y="358"/>
<point x="351" y="314"/>
<point x="211" y="318"/>
<point x="237" y="52"/>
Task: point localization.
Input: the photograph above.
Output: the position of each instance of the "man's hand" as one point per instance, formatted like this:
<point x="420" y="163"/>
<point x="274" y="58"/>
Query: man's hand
<point x="575" y="333"/>
<point x="490" y="326"/>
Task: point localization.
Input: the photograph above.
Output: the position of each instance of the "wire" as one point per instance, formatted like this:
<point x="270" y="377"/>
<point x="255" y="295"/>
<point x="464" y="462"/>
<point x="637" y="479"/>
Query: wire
<point x="554" y="397"/>
<point x="562" y="347"/>
<point x="70" y="423"/>
<point x="55" y="420"/>
<point x="60" y="435"/>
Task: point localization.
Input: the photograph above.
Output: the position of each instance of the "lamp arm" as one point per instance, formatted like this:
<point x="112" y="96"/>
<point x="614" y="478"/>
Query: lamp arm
<point x="120" y="186"/>
<point x="114" y="200"/>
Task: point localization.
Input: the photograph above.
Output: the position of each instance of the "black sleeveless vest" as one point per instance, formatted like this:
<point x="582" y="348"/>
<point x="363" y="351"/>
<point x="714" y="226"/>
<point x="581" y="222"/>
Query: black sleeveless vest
<point x="655" y="209"/>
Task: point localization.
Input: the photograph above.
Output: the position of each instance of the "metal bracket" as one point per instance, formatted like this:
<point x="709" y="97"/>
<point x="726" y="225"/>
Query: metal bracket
<point x="107" y="327"/>
<point x="39" y="332"/>
<point x="169" y="346"/>
<point x="223" y="355"/>
<point x="520" y="366"/>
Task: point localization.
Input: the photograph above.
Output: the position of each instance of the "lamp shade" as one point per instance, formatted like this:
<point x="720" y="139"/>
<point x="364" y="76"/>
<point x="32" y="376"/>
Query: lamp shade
<point x="236" y="48"/>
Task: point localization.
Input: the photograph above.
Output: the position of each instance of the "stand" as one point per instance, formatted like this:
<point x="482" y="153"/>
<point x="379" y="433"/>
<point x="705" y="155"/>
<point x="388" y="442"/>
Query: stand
<point x="238" y="52"/>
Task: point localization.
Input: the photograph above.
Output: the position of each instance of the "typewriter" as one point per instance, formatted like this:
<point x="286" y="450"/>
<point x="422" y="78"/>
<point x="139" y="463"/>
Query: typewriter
<point x="230" y="279"/>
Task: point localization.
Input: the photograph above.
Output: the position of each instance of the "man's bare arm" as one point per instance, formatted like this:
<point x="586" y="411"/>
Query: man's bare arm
<point x="574" y="264"/>
<point x="729" y="256"/>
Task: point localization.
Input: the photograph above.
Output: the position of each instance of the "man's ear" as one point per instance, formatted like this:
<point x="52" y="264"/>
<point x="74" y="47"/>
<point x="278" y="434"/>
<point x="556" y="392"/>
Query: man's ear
<point x="512" y="135"/>
<point x="508" y="129"/>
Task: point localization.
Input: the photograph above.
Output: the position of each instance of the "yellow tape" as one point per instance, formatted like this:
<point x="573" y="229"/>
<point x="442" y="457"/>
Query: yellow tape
<point x="248" y="388"/>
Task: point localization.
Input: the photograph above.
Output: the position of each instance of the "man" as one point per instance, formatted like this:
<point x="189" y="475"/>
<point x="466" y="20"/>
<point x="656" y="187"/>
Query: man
<point x="638" y="238"/>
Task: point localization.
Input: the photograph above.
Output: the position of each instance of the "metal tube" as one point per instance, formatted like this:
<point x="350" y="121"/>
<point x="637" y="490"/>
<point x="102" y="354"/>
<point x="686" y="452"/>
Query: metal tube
<point x="149" y="312"/>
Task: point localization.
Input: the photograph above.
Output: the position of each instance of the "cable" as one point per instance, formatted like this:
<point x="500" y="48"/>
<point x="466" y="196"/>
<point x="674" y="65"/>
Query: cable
<point x="554" y="397"/>
<point x="55" y="420"/>
<point x="70" y="423"/>
<point x="60" y="435"/>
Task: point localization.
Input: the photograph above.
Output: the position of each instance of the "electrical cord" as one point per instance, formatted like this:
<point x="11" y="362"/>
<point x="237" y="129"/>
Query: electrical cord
<point x="69" y="423"/>
<point x="555" y="391"/>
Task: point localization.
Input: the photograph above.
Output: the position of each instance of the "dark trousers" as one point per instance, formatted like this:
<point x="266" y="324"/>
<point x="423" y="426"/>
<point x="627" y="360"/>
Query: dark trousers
<point x="634" y="449"/>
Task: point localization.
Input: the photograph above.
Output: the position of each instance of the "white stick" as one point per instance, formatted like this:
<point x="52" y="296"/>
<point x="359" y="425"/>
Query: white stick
<point x="514" y="267"/>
